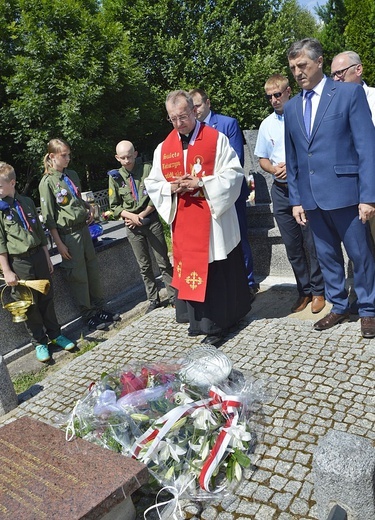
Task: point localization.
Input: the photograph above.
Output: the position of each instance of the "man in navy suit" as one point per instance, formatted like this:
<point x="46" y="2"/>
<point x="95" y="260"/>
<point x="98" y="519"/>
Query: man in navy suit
<point x="330" y="159"/>
<point x="229" y="126"/>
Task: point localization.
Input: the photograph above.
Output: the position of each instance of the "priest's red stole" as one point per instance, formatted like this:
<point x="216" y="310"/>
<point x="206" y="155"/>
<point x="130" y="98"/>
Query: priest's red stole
<point x="192" y="224"/>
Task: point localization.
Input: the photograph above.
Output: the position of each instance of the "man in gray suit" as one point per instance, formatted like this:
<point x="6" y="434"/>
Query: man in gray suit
<point x="330" y="158"/>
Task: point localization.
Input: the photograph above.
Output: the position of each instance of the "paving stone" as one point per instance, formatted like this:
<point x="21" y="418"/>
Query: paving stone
<point x="324" y="380"/>
<point x="282" y="500"/>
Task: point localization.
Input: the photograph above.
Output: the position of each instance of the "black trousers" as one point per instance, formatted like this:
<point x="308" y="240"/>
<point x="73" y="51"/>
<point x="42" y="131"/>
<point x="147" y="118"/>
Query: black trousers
<point x="297" y="240"/>
<point x="227" y="297"/>
<point x="41" y="321"/>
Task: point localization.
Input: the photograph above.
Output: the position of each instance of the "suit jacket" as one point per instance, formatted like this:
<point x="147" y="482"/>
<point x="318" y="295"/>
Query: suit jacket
<point x="229" y="127"/>
<point x="335" y="168"/>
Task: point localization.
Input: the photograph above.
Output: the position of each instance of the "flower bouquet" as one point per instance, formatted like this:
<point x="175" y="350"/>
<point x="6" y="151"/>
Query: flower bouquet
<point x="191" y="422"/>
<point x="107" y="215"/>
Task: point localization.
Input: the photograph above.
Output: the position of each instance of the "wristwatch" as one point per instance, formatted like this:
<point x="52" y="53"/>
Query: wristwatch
<point x="200" y="184"/>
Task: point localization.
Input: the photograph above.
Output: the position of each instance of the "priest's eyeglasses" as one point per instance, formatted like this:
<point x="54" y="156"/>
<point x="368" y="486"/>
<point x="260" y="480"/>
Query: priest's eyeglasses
<point x="181" y="119"/>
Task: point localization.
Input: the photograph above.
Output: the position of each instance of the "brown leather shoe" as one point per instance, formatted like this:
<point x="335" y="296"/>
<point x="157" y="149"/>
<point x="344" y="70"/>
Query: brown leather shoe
<point x="318" y="303"/>
<point x="301" y="303"/>
<point x="368" y="327"/>
<point x="330" y="320"/>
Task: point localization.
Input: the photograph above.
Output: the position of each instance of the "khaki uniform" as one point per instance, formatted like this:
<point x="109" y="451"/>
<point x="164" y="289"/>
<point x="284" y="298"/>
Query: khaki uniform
<point x="68" y="214"/>
<point x="28" y="260"/>
<point x="144" y="237"/>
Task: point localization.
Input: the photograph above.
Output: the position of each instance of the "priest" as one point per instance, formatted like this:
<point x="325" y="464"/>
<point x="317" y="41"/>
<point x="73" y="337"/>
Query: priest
<point x="194" y="183"/>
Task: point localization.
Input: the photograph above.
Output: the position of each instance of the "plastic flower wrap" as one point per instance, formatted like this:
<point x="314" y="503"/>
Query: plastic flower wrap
<point x="191" y="422"/>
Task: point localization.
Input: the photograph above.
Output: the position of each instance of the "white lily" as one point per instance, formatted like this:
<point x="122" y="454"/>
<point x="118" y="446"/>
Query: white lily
<point x="166" y="449"/>
<point x="203" y="417"/>
<point x="238" y="435"/>
<point x="202" y="448"/>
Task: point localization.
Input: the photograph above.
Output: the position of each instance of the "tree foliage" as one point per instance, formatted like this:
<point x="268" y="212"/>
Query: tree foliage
<point x="68" y="75"/>
<point x="349" y="25"/>
<point x="359" y="34"/>
<point x="97" y="71"/>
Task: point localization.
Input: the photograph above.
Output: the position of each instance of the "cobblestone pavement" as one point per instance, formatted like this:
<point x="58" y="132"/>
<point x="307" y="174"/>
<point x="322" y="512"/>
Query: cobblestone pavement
<point x="320" y="380"/>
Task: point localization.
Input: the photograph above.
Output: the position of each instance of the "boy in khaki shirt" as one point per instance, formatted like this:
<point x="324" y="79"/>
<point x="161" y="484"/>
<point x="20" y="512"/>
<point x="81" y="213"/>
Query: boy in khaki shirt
<point x="24" y="255"/>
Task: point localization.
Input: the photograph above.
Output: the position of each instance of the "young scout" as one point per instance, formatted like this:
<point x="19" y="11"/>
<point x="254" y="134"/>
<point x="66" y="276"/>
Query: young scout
<point x="24" y="255"/>
<point x="67" y="216"/>
<point x="129" y="200"/>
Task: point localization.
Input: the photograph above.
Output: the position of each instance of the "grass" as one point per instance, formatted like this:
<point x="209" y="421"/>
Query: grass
<point x="24" y="381"/>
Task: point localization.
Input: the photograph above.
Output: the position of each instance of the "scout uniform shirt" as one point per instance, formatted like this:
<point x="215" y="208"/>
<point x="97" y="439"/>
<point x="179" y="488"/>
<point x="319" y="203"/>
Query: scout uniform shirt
<point x="120" y="192"/>
<point x="62" y="208"/>
<point x="20" y="234"/>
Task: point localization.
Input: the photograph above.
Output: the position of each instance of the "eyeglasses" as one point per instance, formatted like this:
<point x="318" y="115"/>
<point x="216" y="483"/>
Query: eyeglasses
<point x="181" y="119"/>
<point x="341" y="73"/>
<point x="276" y="95"/>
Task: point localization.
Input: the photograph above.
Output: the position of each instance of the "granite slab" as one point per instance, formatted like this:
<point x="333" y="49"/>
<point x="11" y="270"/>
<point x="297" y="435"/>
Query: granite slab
<point x="43" y="476"/>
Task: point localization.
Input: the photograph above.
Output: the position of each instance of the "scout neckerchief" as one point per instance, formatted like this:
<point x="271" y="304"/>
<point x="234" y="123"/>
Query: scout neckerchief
<point x="22" y="216"/>
<point x="192" y="224"/>
<point x="72" y="187"/>
<point x="133" y="187"/>
<point x="116" y="175"/>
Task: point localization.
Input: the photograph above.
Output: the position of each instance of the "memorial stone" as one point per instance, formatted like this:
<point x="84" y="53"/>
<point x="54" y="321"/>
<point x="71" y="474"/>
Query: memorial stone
<point x="8" y="396"/>
<point x="344" y="472"/>
<point x="45" y="477"/>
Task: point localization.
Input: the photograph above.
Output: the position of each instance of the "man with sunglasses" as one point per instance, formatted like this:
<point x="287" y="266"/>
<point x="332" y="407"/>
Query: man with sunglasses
<point x="270" y="150"/>
<point x="195" y="180"/>
<point x="347" y="67"/>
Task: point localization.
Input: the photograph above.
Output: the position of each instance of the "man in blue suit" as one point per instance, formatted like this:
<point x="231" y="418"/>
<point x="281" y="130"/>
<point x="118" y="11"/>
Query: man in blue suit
<point x="229" y="126"/>
<point x="330" y="159"/>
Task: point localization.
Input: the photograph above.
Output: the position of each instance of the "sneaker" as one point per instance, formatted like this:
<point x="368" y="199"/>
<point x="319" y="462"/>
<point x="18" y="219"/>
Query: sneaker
<point x="154" y="304"/>
<point x="95" y="323"/>
<point x="42" y="353"/>
<point x="108" y="317"/>
<point x="63" y="342"/>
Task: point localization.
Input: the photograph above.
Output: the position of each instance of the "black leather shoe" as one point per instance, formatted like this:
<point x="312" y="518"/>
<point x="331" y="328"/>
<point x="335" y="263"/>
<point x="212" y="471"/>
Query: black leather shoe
<point x="212" y="340"/>
<point x="368" y="326"/>
<point x="330" y="320"/>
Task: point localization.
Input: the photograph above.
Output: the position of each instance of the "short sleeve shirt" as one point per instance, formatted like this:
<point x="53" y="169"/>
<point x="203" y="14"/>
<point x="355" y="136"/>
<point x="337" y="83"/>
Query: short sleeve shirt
<point x="15" y="239"/>
<point x="120" y="193"/>
<point x="60" y="208"/>
<point x="270" y="141"/>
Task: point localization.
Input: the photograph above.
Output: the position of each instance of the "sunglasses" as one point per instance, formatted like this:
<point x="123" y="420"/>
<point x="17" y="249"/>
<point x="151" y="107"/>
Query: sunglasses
<point x="276" y="95"/>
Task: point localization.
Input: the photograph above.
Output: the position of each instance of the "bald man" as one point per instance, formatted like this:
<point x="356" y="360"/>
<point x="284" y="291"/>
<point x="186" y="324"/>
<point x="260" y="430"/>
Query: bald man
<point x="129" y="200"/>
<point x="347" y="67"/>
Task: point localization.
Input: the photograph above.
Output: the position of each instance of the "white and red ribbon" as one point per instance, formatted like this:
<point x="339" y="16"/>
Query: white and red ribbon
<point x="228" y="406"/>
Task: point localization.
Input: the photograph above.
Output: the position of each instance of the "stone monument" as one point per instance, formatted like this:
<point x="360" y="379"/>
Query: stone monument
<point x="8" y="396"/>
<point x="45" y="477"/>
<point x="344" y="471"/>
